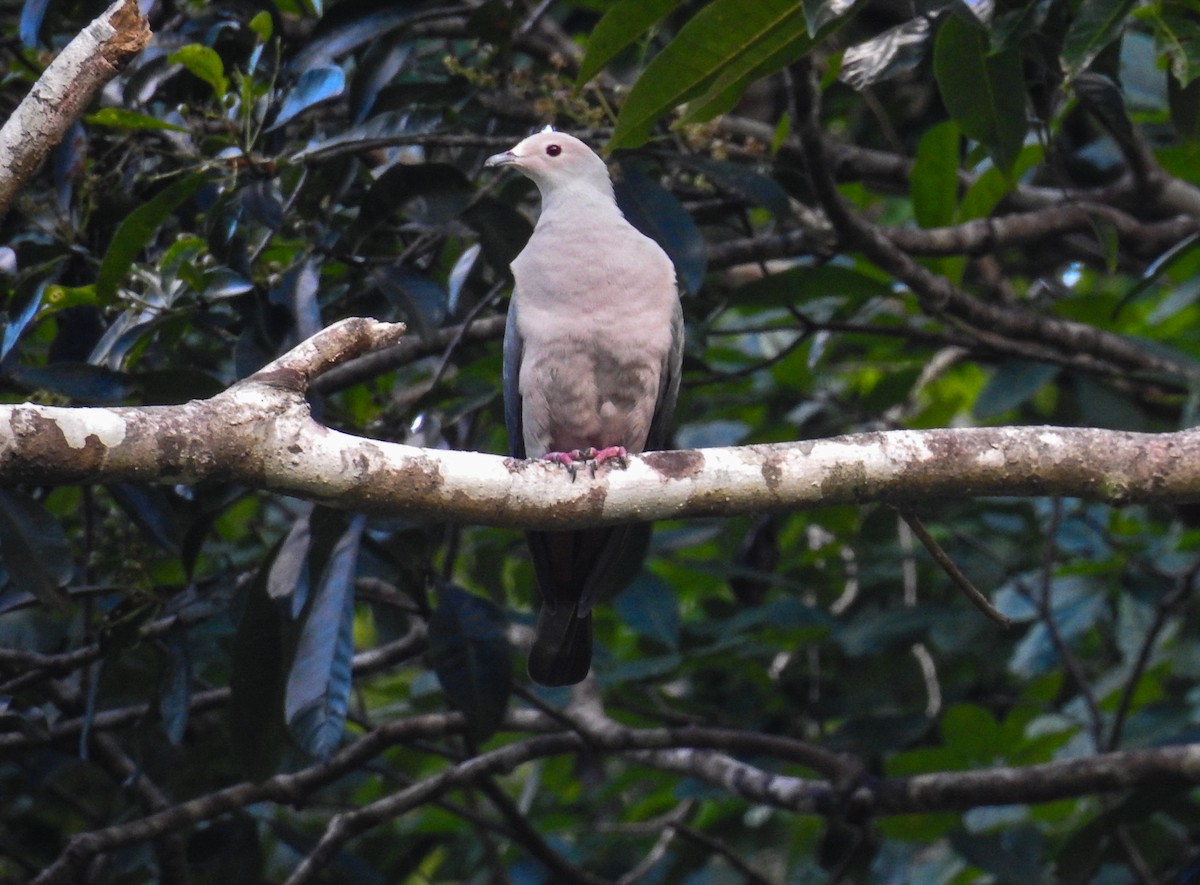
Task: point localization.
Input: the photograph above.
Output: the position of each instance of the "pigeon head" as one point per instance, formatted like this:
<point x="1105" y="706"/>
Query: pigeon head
<point x="556" y="160"/>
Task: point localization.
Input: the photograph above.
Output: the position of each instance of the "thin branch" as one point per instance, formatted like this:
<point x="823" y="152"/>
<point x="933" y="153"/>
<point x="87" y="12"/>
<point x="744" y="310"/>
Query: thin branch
<point x="1166" y="606"/>
<point x="953" y="572"/>
<point x="688" y="752"/>
<point x="937" y="295"/>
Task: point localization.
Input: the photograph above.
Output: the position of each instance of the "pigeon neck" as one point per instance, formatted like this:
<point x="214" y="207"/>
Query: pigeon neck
<point x="584" y="197"/>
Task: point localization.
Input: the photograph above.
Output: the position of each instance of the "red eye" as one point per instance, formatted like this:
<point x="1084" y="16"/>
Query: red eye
<point x="553" y="150"/>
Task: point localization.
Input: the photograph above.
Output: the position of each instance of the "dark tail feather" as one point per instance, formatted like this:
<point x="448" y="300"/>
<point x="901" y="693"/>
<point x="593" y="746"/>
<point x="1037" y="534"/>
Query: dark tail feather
<point x="574" y="569"/>
<point x="562" y="646"/>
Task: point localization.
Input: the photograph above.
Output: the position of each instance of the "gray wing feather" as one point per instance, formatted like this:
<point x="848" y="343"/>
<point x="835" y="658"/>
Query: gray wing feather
<point x="514" y="348"/>
<point x="668" y="385"/>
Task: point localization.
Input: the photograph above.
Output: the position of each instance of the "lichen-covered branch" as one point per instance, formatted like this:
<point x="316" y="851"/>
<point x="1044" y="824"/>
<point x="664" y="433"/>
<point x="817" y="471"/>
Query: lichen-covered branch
<point x="66" y="87"/>
<point x="260" y="433"/>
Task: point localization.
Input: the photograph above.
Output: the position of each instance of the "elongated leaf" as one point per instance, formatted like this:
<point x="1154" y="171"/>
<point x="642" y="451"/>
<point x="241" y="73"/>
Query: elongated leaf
<point x="471" y="657"/>
<point x="1009" y="855"/>
<point x="798" y="285"/>
<point x="34" y="549"/>
<point x="1102" y="406"/>
<point x="318" y="688"/>
<point x="624" y="23"/>
<point x="381" y="130"/>
<point x="656" y="212"/>
<point x="123" y="119"/>
<point x="1014" y="383"/>
<point x="894" y="52"/>
<point x="935" y="176"/>
<point x="323" y="48"/>
<point x="136" y="231"/>
<point x="503" y="231"/>
<point x="1179" y="37"/>
<point x="314" y="86"/>
<point x="378" y="68"/>
<point x="985" y="94"/>
<point x="720" y="34"/>
<point x="175" y="697"/>
<point x="33" y="12"/>
<point x="150" y="509"/>
<point x="256" y="682"/>
<point x="288" y="575"/>
<point x="992" y="185"/>
<point x="1096" y="24"/>
<point x="789" y="46"/>
<point x="650" y="608"/>
<point x="754" y="186"/>
<point x="16" y="325"/>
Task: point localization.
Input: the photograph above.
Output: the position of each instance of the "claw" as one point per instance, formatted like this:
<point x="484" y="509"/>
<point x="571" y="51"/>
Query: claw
<point x="566" y="459"/>
<point x="590" y="456"/>
<point x="612" y="453"/>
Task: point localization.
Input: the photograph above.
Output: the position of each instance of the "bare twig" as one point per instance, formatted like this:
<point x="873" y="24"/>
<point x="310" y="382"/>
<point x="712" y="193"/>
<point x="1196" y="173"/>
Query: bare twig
<point x="953" y="572"/>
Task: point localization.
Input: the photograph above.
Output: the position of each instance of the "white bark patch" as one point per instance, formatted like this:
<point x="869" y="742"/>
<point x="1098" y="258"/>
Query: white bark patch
<point x="108" y="428"/>
<point x="993" y="457"/>
<point x="1051" y="439"/>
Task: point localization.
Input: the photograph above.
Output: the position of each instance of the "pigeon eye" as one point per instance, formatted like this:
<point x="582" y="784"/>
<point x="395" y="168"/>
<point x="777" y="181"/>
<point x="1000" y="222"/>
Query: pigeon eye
<point x="553" y="150"/>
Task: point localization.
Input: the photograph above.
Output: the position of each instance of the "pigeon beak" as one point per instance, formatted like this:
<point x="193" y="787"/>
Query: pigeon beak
<point x="507" y="158"/>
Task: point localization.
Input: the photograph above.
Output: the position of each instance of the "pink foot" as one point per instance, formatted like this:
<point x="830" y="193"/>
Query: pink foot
<point x="569" y="460"/>
<point x="589" y="456"/>
<point x="612" y="453"/>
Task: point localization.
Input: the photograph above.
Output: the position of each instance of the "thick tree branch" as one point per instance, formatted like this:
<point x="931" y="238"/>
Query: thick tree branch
<point x="260" y="433"/>
<point x="65" y="88"/>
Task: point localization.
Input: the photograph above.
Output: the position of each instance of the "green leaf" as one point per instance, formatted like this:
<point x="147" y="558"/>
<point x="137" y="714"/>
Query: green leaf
<point x="786" y="44"/>
<point x="972" y="734"/>
<point x="991" y="186"/>
<point x="135" y="232"/>
<point x="935" y="176"/>
<point x="1102" y="406"/>
<point x="314" y="86"/>
<point x="650" y="608"/>
<point x="1009" y="855"/>
<point x="204" y="62"/>
<point x="796" y="285"/>
<point x="984" y="94"/>
<point x="1179" y="38"/>
<point x="34" y="549"/>
<point x="657" y="213"/>
<point x="176" y="694"/>
<point x="1184" y="102"/>
<point x="624" y="23"/>
<point x="1096" y="24"/>
<point x="256" y="682"/>
<point x="470" y="654"/>
<point x="123" y="119"/>
<point x="721" y="34"/>
<point x="262" y="25"/>
<point x="1015" y="382"/>
<point x="318" y="687"/>
<point x="819" y="13"/>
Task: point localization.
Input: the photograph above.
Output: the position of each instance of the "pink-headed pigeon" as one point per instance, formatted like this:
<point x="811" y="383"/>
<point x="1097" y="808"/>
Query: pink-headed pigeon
<point x="592" y="355"/>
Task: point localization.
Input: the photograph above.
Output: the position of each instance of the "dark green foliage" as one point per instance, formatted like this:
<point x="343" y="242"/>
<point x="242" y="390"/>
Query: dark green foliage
<point x="471" y="657"/>
<point x="265" y="169"/>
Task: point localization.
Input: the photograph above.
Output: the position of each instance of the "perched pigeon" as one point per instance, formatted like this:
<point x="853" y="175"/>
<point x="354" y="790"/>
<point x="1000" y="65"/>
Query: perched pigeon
<point x="591" y="370"/>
